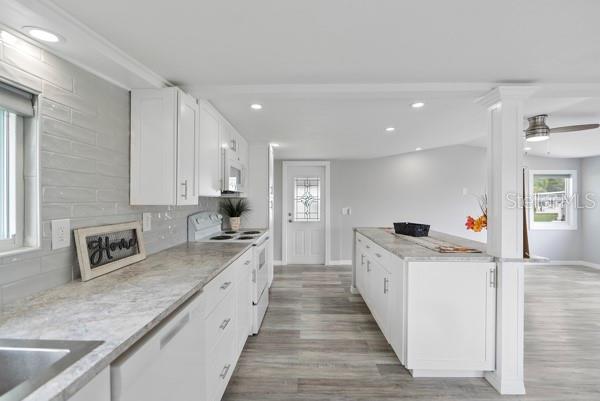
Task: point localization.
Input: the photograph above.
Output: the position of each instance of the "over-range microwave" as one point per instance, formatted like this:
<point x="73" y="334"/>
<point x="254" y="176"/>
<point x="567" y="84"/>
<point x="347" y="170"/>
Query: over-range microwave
<point x="234" y="173"/>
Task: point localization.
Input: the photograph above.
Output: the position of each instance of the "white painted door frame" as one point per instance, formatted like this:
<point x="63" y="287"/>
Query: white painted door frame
<point x="285" y="199"/>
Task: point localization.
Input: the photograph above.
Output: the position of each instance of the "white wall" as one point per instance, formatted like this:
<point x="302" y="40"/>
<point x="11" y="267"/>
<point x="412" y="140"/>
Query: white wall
<point x="84" y="167"/>
<point x="258" y="186"/>
<point x="556" y="244"/>
<point x="590" y="184"/>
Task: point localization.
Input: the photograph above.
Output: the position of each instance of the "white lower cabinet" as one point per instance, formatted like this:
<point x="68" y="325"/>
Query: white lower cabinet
<point x="439" y="317"/>
<point x="98" y="389"/>
<point x="192" y="355"/>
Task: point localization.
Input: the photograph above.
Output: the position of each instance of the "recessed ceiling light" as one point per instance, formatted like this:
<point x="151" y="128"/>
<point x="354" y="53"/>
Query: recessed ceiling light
<point x="390" y="129"/>
<point x="256" y="106"/>
<point x="417" y="105"/>
<point x="418" y="149"/>
<point x="42" y="34"/>
<point x="8" y="37"/>
<point x="527" y="148"/>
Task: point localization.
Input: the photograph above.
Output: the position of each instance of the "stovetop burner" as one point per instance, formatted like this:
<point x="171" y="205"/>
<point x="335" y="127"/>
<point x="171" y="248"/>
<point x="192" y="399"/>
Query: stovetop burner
<point x="245" y="237"/>
<point x="251" y="232"/>
<point x="221" y="237"/>
<point x="230" y="232"/>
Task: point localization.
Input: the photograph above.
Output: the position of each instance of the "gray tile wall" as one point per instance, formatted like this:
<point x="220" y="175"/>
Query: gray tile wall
<point x="84" y="144"/>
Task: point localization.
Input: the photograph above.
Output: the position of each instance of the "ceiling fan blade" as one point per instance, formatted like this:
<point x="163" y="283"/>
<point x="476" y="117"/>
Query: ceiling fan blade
<point x="571" y="128"/>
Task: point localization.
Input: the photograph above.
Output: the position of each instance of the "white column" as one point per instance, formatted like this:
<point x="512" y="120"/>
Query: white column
<point x="505" y="230"/>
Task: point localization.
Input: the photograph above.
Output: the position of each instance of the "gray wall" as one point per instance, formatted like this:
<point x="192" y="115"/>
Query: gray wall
<point x="590" y="184"/>
<point x="423" y="187"/>
<point x="556" y="244"/>
<point x="84" y="167"/>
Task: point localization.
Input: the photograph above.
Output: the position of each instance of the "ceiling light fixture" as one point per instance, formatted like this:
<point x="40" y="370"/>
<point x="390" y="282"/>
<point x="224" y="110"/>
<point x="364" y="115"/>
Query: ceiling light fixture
<point x="537" y="131"/>
<point x="417" y="105"/>
<point x="390" y="129"/>
<point x="8" y="38"/>
<point x="256" y="106"/>
<point x="418" y="149"/>
<point x="527" y="148"/>
<point x="43" y="34"/>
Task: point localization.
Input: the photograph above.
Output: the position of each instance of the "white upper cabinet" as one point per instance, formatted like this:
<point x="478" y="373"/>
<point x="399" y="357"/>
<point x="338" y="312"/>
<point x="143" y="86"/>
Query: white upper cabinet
<point x="164" y="147"/>
<point x="210" y="168"/>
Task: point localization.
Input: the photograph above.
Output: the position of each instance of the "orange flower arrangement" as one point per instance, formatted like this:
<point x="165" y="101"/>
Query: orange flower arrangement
<point x="480" y="223"/>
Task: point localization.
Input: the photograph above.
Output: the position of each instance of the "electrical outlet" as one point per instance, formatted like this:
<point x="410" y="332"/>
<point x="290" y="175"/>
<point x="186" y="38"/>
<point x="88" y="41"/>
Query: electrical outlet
<point x="146" y="221"/>
<point x="346" y="211"/>
<point x="61" y="233"/>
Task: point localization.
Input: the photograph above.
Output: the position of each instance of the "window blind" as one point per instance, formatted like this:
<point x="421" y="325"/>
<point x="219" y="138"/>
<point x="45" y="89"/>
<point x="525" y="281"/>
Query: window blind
<point x="16" y="100"/>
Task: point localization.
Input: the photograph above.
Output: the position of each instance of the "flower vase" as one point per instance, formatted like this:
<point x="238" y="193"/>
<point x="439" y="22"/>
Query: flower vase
<point x="235" y="223"/>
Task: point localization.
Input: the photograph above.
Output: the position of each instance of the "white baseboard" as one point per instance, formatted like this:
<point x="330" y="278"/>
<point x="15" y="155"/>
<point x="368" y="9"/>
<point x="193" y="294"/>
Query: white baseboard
<point x="277" y="263"/>
<point x="340" y="262"/>
<point x="568" y="263"/>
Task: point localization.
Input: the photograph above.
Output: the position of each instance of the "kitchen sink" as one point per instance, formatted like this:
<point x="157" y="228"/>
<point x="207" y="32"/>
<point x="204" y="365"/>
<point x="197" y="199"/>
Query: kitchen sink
<point x="26" y="365"/>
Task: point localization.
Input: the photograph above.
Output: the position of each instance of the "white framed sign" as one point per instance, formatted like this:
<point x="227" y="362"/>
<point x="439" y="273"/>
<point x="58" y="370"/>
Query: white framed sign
<point x="103" y="249"/>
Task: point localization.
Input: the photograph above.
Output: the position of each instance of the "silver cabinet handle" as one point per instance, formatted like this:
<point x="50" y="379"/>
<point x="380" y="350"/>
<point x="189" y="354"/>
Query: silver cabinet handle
<point x="225" y="285"/>
<point x="378" y="255"/>
<point x="254" y="276"/>
<point x="171" y="334"/>
<point x="362" y="259"/>
<point x="493" y="278"/>
<point x="223" y="374"/>
<point x="247" y="263"/>
<point x="368" y="266"/>
<point x="185" y="186"/>
<point x="385" y="285"/>
<point x="224" y="324"/>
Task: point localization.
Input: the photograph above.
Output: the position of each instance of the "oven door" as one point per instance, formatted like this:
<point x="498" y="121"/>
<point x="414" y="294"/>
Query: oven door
<point x="261" y="274"/>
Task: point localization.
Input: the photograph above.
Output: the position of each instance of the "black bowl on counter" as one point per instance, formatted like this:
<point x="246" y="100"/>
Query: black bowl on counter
<point x="412" y="229"/>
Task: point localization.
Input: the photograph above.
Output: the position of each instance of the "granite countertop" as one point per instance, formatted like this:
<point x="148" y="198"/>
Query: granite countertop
<point x="118" y="308"/>
<point x="415" y="249"/>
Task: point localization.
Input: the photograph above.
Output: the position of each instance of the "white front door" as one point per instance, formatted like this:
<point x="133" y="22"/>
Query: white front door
<point x="305" y="214"/>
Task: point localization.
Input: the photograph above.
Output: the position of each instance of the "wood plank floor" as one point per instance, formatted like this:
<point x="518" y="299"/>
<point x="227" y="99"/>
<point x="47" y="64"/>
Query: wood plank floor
<point x="319" y="342"/>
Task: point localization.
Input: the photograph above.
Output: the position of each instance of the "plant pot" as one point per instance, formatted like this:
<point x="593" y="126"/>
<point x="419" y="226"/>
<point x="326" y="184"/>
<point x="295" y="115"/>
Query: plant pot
<point x="235" y="223"/>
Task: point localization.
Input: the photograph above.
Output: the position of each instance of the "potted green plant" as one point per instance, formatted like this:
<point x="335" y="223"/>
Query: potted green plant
<point x="234" y="209"/>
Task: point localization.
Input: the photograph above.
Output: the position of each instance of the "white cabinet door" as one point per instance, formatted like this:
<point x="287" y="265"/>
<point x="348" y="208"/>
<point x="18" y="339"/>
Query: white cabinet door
<point x="98" y="389"/>
<point x="209" y="157"/>
<point x="153" y="147"/>
<point x="360" y="269"/>
<point x="187" y="152"/>
<point x="397" y="311"/>
<point x="451" y="316"/>
<point x="378" y="295"/>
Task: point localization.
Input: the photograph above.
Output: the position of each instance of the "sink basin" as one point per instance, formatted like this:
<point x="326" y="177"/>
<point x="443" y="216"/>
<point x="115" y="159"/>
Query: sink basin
<point x="25" y="365"/>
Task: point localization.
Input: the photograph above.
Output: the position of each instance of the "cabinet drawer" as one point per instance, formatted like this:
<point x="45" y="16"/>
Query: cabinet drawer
<point x="220" y="365"/>
<point x="220" y="321"/>
<point x="219" y="287"/>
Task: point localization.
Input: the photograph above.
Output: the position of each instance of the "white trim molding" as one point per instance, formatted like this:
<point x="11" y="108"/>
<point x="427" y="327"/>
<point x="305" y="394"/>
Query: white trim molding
<point x="284" y="220"/>
<point x="340" y="262"/>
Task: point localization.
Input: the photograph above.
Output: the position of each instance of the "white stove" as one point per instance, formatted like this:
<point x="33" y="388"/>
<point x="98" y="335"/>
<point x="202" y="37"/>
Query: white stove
<point x="206" y="227"/>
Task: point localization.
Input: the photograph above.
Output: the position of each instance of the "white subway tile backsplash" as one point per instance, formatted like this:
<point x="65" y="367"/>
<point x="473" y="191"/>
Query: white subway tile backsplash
<point x="84" y="141"/>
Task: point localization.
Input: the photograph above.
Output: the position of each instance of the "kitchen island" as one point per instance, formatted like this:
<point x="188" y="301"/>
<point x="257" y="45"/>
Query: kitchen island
<point x="434" y="299"/>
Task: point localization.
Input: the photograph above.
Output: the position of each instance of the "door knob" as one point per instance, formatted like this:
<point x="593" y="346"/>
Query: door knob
<point x="290" y="220"/>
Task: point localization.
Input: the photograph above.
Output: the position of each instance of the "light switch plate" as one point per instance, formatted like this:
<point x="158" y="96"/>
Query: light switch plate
<point x="346" y="211"/>
<point x="146" y="221"/>
<point x="61" y="233"/>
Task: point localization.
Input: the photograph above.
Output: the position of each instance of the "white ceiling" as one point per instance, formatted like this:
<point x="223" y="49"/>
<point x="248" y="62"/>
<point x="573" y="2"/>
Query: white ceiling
<point x="333" y="74"/>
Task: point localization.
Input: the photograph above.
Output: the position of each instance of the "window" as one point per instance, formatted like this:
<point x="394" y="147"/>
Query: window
<point x="553" y="200"/>
<point x="307" y="199"/>
<point x="18" y="222"/>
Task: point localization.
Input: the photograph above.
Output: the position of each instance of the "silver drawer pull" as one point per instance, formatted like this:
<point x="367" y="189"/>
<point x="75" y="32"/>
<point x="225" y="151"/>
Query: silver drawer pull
<point x="224" y="324"/>
<point x="378" y="255"/>
<point x="247" y="263"/>
<point x="368" y="266"/>
<point x="225" y="285"/>
<point x="254" y="276"/>
<point x="176" y="329"/>
<point x="223" y="374"/>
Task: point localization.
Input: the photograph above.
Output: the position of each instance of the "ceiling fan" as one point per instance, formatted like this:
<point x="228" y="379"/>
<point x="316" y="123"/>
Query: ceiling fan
<point x="538" y="131"/>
